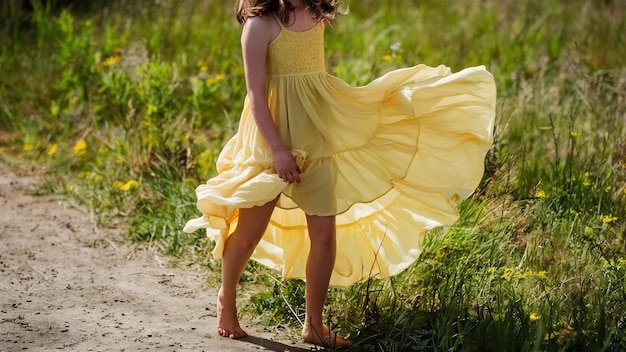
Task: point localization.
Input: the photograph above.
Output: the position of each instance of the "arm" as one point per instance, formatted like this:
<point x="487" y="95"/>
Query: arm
<point x="255" y="39"/>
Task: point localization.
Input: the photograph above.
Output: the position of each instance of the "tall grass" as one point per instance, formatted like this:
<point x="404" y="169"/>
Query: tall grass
<point x="136" y="99"/>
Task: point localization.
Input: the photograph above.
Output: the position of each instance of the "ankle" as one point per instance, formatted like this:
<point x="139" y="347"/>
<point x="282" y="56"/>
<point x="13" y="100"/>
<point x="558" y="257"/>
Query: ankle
<point x="224" y="299"/>
<point x="311" y="320"/>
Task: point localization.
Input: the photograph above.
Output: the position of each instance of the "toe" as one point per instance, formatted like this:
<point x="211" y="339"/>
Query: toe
<point x="223" y="332"/>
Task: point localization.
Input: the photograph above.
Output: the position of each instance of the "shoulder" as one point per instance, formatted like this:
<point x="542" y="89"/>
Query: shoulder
<point x="260" y="28"/>
<point x="267" y="21"/>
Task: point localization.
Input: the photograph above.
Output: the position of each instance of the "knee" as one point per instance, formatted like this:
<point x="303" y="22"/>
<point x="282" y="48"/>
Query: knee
<point x="249" y="245"/>
<point x="243" y="242"/>
<point x="324" y="238"/>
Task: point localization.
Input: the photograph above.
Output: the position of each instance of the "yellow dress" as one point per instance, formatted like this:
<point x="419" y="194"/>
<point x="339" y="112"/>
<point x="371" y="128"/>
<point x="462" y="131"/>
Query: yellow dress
<point x="391" y="159"/>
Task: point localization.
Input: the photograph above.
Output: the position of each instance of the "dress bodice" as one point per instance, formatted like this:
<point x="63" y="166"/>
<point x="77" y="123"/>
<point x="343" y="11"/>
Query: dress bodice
<point x="296" y="52"/>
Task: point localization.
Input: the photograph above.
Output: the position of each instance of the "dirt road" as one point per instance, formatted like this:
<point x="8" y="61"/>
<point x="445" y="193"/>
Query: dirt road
<point x="67" y="284"/>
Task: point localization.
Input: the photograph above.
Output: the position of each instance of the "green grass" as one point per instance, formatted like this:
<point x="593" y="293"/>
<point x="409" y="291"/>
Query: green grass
<point x="137" y="100"/>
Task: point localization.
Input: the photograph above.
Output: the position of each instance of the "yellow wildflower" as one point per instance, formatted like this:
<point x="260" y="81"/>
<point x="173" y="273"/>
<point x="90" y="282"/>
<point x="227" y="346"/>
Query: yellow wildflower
<point x="28" y="147"/>
<point x="215" y="79"/>
<point x="152" y="109"/>
<point x="508" y="273"/>
<point x="132" y="184"/>
<point x="204" y="68"/>
<point x="53" y="149"/>
<point x="608" y="218"/>
<point x="534" y="317"/>
<point x="573" y="134"/>
<point x="80" y="147"/>
<point x="387" y="57"/>
<point x="542" y="274"/>
<point x="540" y="194"/>
<point x="112" y="60"/>
<point x="491" y="270"/>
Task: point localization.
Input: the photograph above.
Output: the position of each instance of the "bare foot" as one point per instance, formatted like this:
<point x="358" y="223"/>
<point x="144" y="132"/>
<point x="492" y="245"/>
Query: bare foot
<point x="227" y="323"/>
<point x="324" y="338"/>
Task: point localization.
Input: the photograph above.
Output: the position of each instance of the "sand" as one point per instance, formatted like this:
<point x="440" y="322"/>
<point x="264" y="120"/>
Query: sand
<point x="70" y="284"/>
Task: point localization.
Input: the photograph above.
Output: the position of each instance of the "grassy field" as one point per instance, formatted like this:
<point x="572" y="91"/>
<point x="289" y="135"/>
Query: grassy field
<point x="136" y="99"/>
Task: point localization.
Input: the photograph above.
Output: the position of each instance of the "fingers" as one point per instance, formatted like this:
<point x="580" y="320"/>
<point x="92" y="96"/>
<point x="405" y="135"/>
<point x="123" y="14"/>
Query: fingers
<point x="291" y="177"/>
<point x="296" y="175"/>
<point x="286" y="167"/>
<point x="296" y="178"/>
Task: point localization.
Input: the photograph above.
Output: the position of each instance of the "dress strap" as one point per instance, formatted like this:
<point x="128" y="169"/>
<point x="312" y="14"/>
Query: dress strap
<point x="280" y="23"/>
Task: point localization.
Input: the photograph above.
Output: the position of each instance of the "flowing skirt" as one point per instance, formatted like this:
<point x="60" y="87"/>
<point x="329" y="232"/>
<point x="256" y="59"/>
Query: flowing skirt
<point x="391" y="160"/>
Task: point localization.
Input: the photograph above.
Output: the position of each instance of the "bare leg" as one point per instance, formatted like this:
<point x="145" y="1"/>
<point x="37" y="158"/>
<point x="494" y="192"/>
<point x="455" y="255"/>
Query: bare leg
<point x="238" y="249"/>
<point x="319" y="268"/>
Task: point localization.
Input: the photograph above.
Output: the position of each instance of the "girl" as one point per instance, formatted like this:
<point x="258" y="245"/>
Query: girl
<point x="331" y="183"/>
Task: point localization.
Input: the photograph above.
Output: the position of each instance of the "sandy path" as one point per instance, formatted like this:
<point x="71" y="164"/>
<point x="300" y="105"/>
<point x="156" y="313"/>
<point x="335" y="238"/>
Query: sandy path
<point x="67" y="285"/>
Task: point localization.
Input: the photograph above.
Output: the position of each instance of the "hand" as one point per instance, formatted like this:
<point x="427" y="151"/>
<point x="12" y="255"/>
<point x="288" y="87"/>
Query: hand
<point x="286" y="167"/>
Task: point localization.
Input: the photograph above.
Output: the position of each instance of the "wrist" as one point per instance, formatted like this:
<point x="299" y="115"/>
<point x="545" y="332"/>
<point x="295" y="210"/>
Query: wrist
<point x="279" y="148"/>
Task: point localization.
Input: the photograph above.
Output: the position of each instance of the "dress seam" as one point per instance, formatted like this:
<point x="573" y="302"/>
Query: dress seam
<point x="298" y="73"/>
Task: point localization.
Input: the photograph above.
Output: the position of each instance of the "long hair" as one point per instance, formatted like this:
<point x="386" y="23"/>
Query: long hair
<point x="323" y="10"/>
